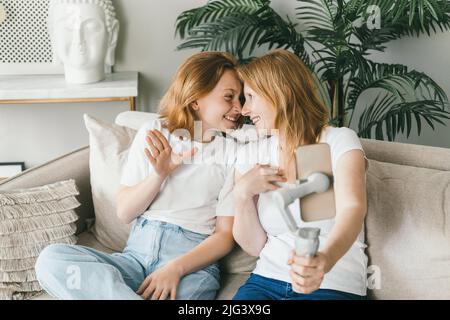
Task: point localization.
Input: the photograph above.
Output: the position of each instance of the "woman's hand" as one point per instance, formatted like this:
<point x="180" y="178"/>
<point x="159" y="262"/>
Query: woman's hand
<point x="161" y="284"/>
<point x="307" y="273"/>
<point x="258" y="180"/>
<point x="160" y="155"/>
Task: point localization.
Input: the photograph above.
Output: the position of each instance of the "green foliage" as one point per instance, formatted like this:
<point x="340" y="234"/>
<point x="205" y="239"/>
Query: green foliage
<point x="335" y="41"/>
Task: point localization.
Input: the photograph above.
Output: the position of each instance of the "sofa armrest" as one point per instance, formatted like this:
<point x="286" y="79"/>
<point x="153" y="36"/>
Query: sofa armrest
<point x="73" y="165"/>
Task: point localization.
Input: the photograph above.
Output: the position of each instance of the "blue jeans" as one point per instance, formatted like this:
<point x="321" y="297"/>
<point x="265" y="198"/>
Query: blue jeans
<point x="79" y="272"/>
<point x="261" y="288"/>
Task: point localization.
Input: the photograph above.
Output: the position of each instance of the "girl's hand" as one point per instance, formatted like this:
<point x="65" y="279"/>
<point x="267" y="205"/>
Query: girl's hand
<point x="161" y="284"/>
<point x="258" y="180"/>
<point x="307" y="273"/>
<point x="160" y="155"/>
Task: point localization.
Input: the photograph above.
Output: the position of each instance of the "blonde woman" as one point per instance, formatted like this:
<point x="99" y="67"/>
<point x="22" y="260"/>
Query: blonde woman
<point x="183" y="226"/>
<point x="280" y="95"/>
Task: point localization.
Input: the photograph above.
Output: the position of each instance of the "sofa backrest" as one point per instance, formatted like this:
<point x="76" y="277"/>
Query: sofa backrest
<point x="408" y="154"/>
<point x="407" y="229"/>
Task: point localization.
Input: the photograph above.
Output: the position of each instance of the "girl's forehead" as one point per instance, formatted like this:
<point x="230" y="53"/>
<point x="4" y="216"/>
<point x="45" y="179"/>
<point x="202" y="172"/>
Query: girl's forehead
<point x="229" y="81"/>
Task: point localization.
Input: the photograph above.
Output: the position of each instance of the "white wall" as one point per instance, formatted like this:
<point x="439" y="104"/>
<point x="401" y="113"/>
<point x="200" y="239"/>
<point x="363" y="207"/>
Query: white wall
<point x="38" y="133"/>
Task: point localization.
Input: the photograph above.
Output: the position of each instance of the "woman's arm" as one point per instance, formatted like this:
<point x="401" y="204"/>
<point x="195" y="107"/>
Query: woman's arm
<point x="163" y="282"/>
<point x="350" y="194"/>
<point x="247" y="229"/>
<point x="351" y="206"/>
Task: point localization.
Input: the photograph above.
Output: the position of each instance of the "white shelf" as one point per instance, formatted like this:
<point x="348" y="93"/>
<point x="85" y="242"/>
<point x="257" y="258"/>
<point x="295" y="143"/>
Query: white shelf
<point x="47" y="87"/>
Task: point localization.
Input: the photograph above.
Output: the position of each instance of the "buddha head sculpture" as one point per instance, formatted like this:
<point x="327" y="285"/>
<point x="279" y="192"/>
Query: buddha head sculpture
<point x="84" y="37"/>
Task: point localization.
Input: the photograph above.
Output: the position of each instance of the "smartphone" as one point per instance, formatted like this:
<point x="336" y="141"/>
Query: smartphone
<point x="316" y="158"/>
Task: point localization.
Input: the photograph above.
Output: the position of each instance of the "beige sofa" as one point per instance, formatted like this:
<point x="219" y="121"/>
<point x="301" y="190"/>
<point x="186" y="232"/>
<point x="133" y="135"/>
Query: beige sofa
<point x="407" y="225"/>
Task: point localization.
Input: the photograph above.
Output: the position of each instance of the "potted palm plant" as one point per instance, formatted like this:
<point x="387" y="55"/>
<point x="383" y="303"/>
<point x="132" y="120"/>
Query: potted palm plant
<point x="335" y="38"/>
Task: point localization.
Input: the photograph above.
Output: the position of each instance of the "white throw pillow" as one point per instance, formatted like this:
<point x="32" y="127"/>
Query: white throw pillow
<point x="109" y="146"/>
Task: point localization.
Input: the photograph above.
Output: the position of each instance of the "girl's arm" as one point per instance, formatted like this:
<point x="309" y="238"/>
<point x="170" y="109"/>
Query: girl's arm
<point x="213" y="248"/>
<point x="247" y="229"/>
<point x="133" y="201"/>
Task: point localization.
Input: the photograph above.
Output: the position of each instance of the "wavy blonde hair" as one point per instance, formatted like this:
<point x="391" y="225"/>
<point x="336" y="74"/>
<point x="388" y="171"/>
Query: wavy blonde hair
<point x="195" y="78"/>
<point x="281" y="78"/>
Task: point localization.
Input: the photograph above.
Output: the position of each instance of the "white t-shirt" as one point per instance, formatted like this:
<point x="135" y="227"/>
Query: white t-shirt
<point x="349" y="273"/>
<point x="194" y="193"/>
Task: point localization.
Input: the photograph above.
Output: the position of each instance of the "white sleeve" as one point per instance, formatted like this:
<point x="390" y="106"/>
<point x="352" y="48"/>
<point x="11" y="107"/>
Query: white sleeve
<point x="245" y="158"/>
<point x="345" y="141"/>
<point x="225" y="204"/>
<point x="137" y="166"/>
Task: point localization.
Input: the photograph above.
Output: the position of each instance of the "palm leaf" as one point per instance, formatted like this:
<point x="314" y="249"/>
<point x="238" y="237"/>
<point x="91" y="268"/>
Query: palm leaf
<point x="238" y="32"/>
<point x="317" y="14"/>
<point x="383" y="115"/>
<point x="403" y="17"/>
<point x="397" y="80"/>
<point x="213" y="11"/>
<point x="230" y="33"/>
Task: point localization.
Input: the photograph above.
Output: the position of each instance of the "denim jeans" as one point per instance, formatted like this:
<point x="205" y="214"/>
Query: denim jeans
<point x="261" y="288"/>
<point x="79" y="272"/>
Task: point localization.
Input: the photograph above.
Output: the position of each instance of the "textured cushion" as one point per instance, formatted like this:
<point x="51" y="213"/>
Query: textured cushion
<point x="408" y="231"/>
<point x="73" y="165"/>
<point x="109" y="145"/>
<point x="31" y="219"/>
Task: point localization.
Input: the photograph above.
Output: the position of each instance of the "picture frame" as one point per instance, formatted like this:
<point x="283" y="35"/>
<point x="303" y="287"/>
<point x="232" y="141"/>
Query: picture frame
<point x="10" y="169"/>
<point x="25" y="46"/>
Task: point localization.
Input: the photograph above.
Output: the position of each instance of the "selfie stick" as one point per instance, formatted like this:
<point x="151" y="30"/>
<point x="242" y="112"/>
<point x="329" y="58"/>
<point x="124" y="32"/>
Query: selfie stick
<point x="306" y="239"/>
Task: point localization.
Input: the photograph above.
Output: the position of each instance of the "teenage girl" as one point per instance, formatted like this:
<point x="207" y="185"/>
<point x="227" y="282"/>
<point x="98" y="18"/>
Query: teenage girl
<point x="173" y="187"/>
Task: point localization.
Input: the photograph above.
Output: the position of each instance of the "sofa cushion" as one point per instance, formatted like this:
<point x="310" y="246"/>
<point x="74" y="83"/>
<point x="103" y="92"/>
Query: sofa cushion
<point x="230" y="284"/>
<point x="408" y="231"/>
<point x="238" y="261"/>
<point x="109" y="145"/>
<point x="31" y="219"/>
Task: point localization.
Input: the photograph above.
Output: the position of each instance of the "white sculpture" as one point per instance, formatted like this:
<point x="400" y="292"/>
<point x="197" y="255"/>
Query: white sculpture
<point x="84" y="37"/>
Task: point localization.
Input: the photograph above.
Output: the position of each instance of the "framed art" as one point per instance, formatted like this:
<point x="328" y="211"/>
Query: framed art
<point x="25" y="46"/>
<point x="9" y="169"/>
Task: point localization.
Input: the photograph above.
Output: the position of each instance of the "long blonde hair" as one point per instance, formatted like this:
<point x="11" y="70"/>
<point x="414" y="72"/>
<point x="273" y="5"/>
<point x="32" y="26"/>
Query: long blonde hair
<point x="281" y="78"/>
<point x="195" y="78"/>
